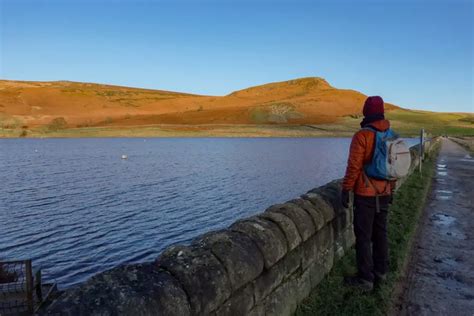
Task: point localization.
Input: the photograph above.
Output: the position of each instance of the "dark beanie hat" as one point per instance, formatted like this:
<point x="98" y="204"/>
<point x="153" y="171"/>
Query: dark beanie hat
<point x="373" y="106"/>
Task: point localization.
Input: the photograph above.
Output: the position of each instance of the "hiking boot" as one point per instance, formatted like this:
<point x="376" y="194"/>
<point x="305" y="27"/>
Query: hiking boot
<point x="379" y="278"/>
<point x="359" y="283"/>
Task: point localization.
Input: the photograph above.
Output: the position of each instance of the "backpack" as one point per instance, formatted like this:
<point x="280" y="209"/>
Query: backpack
<point x="391" y="159"/>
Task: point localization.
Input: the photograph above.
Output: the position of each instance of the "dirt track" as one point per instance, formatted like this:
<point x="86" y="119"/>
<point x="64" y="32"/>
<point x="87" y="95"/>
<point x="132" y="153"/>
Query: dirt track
<point x="440" y="279"/>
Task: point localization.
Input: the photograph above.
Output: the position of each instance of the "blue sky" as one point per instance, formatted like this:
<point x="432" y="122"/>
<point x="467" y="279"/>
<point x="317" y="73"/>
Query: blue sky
<point x="417" y="54"/>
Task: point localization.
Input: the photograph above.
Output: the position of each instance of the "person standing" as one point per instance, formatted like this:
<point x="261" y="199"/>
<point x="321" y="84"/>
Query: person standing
<point x="371" y="200"/>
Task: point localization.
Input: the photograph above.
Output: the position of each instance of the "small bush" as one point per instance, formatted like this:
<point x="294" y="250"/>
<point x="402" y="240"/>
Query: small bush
<point x="467" y="120"/>
<point x="57" y="123"/>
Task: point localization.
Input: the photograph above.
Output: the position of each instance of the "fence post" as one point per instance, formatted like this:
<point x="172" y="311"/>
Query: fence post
<point x="29" y="285"/>
<point x="422" y="146"/>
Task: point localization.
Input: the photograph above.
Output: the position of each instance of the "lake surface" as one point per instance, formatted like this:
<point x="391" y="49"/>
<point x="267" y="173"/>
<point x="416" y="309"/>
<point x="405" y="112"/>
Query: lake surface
<point x="76" y="208"/>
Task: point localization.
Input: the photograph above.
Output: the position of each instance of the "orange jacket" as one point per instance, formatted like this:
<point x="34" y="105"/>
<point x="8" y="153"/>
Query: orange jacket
<point x="361" y="151"/>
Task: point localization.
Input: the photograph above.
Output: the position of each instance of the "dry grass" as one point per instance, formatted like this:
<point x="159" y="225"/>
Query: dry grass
<point x="35" y="109"/>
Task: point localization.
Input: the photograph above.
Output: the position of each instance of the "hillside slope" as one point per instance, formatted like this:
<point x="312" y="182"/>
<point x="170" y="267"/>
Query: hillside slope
<point x="46" y="107"/>
<point x="301" y="101"/>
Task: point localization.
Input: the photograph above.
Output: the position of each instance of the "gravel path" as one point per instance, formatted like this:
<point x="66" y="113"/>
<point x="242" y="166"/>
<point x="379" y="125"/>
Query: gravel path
<point x="440" y="280"/>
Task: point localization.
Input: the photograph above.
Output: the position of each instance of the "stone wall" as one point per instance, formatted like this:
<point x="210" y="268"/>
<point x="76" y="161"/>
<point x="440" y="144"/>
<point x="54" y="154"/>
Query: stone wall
<point x="262" y="265"/>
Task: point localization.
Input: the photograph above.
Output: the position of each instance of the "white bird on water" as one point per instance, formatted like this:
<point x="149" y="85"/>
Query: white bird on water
<point x="124" y="157"/>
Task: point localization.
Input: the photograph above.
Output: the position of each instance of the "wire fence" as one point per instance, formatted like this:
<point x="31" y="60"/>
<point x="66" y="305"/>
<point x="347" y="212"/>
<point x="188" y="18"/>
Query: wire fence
<point x="17" y="287"/>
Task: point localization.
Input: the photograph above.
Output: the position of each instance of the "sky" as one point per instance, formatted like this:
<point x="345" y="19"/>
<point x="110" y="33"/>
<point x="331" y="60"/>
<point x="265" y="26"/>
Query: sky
<point x="417" y="54"/>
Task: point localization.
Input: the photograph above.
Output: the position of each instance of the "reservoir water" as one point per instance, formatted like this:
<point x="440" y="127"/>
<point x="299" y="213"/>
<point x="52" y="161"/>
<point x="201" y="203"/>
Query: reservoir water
<point x="77" y="207"/>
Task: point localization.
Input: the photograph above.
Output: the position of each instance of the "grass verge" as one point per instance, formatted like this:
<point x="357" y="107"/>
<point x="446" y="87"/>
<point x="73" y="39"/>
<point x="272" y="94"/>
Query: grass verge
<point x="332" y="298"/>
<point x="171" y="130"/>
<point x="466" y="142"/>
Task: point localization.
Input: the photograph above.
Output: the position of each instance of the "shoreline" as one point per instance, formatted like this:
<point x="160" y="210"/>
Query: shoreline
<point x="195" y="131"/>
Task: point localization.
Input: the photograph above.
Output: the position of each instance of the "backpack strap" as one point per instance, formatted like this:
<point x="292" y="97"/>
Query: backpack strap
<point x="377" y="193"/>
<point x="369" y="128"/>
<point x="367" y="179"/>
<point x="388" y="131"/>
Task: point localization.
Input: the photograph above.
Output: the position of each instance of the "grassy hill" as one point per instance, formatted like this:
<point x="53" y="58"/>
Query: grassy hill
<point x="301" y="107"/>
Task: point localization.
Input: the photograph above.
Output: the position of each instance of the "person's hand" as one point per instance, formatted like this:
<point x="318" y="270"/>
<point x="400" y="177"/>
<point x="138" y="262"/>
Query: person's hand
<point x="345" y="198"/>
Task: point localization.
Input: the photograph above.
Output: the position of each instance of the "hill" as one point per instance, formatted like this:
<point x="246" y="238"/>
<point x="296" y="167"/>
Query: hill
<point x="52" y="108"/>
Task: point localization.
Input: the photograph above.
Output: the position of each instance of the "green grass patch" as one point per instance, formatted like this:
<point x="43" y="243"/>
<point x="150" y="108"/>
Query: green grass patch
<point x="332" y="298"/>
<point x="409" y="122"/>
<point x="452" y="124"/>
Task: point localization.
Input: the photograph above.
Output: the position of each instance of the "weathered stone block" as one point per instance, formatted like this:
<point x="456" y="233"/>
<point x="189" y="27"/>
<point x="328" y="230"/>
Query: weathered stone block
<point x="341" y="222"/>
<point x="320" y="204"/>
<point x="311" y="252"/>
<point x="343" y="242"/>
<point x="292" y="261"/>
<point x="314" y="248"/>
<point x="273" y="277"/>
<point x="325" y="238"/>
<point x="331" y="192"/>
<point x="315" y="213"/>
<point x="267" y="282"/>
<point x="240" y="303"/>
<point x="327" y="260"/>
<point x="316" y="272"/>
<point x="284" y="300"/>
<point x="201" y="275"/>
<point x="288" y="227"/>
<point x="240" y="256"/>
<point x="268" y="237"/>
<point x="300" y="217"/>
<point x="139" y="289"/>
<point x="258" y="310"/>
<point x="303" y="286"/>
